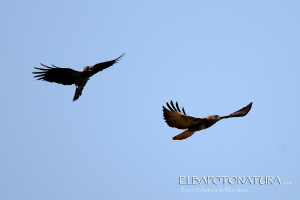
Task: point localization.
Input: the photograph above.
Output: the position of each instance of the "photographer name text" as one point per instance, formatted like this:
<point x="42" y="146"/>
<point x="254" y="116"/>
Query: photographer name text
<point x="194" y="180"/>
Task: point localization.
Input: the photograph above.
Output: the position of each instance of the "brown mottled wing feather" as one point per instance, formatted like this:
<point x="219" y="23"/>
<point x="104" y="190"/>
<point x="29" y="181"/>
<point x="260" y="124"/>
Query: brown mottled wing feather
<point x="240" y="113"/>
<point x="101" y="66"/>
<point x="65" y="76"/>
<point x="176" y="119"/>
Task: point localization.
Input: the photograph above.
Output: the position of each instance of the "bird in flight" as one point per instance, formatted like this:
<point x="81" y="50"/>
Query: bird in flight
<point x="67" y="76"/>
<point x="177" y="119"/>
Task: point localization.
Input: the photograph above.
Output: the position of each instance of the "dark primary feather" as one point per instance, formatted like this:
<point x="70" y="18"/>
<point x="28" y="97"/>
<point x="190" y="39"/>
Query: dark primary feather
<point x="65" y="76"/>
<point x="240" y="113"/>
<point x="176" y="119"/>
<point x="173" y="107"/>
<point x="169" y="107"/>
<point x="90" y="71"/>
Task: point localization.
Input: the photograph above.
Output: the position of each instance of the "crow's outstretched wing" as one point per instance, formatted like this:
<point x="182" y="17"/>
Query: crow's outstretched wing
<point x="240" y="113"/>
<point x="177" y="119"/>
<point x="101" y="66"/>
<point x="65" y="76"/>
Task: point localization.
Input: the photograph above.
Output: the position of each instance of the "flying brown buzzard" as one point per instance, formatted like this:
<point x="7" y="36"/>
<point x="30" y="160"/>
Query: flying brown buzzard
<point x="67" y="76"/>
<point x="177" y="119"/>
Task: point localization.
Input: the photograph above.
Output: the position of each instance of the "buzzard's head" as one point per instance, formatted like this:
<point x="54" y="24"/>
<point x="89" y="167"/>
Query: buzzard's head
<point x="214" y="117"/>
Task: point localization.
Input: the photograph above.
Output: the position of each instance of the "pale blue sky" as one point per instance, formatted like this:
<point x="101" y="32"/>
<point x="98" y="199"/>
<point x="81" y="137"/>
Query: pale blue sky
<point x="213" y="57"/>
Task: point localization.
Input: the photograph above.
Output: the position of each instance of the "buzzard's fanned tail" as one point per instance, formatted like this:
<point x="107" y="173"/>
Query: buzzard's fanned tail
<point x="185" y="134"/>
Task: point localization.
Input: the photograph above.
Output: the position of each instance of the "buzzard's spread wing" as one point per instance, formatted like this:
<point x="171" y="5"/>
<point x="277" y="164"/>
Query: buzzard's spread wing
<point x="65" y="76"/>
<point x="240" y="113"/>
<point x="90" y="71"/>
<point x="176" y="119"/>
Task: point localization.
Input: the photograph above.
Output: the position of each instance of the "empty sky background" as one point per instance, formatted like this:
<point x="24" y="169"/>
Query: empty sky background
<point x="213" y="57"/>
